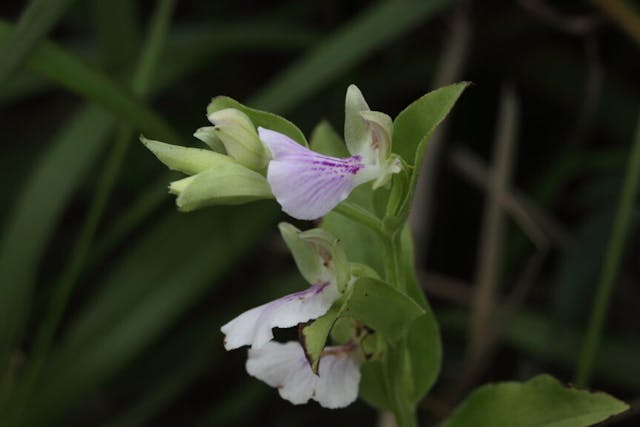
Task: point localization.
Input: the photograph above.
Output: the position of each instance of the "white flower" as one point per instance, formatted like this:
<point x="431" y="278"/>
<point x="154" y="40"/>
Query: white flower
<point x="285" y="367"/>
<point x="254" y="327"/>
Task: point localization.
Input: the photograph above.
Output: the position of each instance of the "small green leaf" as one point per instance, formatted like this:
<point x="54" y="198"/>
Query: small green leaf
<point x="314" y="335"/>
<point x="419" y="119"/>
<point x="259" y="118"/>
<point x="413" y="128"/>
<point x="540" y="402"/>
<point x="382" y="307"/>
<point x="325" y="140"/>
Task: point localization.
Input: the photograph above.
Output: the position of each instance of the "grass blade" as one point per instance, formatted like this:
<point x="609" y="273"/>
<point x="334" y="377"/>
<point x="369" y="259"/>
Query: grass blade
<point x="36" y="21"/>
<point x="611" y="264"/>
<point x="65" y="69"/>
<point x="377" y="26"/>
<point x="37" y="211"/>
<point x="154" y="283"/>
<point x="63" y="287"/>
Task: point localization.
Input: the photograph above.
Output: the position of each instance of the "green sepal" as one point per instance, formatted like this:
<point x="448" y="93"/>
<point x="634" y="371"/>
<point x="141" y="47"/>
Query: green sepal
<point x="259" y="118"/>
<point x="355" y="129"/>
<point x="227" y="183"/>
<point x="380" y="128"/>
<point x="240" y="138"/>
<point x="332" y="254"/>
<point x="209" y="136"/>
<point x="398" y="192"/>
<point x="318" y="255"/>
<point x="183" y="159"/>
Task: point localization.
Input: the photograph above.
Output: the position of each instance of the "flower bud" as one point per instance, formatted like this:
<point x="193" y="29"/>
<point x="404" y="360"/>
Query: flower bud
<point x="228" y="183"/>
<point x="238" y="134"/>
<point x="183" y="159"/>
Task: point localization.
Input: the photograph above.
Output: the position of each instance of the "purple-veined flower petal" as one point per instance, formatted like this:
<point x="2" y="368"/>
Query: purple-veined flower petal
<point x="253" y="327"/>
<point x="285" y="367"/>
<point x="307" y="184"/>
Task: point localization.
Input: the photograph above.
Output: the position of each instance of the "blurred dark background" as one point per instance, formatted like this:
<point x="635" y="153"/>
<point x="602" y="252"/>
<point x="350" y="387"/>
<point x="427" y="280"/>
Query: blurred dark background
<point x="519" y="195"/>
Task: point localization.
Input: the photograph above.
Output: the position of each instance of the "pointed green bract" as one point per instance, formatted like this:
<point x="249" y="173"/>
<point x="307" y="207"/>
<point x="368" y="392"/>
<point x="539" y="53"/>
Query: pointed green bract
<point x="184" y="159"/>
<point x="314" y="335"/>
<point x="540" y="402"/>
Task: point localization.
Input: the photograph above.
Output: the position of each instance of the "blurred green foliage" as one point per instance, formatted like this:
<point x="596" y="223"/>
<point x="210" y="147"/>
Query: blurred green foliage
<point x="138" y="340"/>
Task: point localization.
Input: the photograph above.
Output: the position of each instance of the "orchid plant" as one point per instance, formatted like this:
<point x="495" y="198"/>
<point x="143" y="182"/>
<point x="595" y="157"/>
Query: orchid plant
<point x="365" y="327"/>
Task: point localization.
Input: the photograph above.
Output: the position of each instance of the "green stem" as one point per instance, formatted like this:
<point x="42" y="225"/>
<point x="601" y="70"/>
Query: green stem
<point x="611" y="264"/>
<point x="362" y="216"/>
<point x="395" y="372"/>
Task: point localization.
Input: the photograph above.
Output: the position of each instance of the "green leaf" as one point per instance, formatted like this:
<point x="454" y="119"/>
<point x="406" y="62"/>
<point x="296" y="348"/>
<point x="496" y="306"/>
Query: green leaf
<point x="325" y="140"/>
<point x="416" y="122"/>
<point x="414" y="126"/>
<point x="375" y="27"/>
<point x="35" y="22"/>
<point x="540" y="402"/>
<point x="314" y="335"/>
<point x="259" y="118"/>
<point x="372" y="385"/>
<point x="382" y="307"/>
